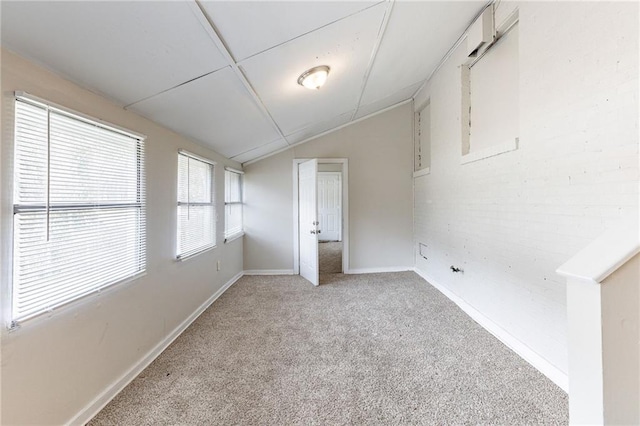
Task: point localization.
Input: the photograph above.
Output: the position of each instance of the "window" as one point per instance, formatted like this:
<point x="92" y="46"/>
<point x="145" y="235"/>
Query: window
<point x="79" y="207"/>
<point x="196" y="211"/>
<point x="232" y="203"/>
<point x="422" y="154"/>
<point x="491" y="100"/>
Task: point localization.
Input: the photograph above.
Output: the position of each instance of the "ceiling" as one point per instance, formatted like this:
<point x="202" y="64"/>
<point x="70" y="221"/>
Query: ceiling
<point x="224" y="73"/>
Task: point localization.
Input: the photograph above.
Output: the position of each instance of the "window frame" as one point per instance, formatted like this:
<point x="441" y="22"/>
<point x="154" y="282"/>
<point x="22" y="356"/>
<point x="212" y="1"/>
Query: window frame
<point x="420" y="147"/>
<point x="230" y="237"/>
<point x="469" y="153"/>
<point x="14" y="321"/>
<point x="194" y="252"/>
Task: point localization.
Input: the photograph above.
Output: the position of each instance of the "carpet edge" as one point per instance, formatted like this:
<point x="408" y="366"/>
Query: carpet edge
<point x="552" y="372"/>
<point x="383" y="269"/>
<point x="269" y="272"/>
<point x="98" y="403"/>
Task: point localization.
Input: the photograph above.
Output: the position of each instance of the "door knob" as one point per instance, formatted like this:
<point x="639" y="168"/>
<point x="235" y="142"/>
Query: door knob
<point x="312" y="231"/>
<point x="319" y="231"/>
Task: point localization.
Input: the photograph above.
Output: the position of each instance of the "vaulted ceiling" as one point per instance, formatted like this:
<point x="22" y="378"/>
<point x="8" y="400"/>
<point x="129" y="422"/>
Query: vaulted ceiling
<point x="225" y="72"/>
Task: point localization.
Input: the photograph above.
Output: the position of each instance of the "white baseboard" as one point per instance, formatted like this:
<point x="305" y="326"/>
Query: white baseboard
<point x="541" y="364"/>
<point x="105" y="397"/>
<point x="379" y="270"/>
<point x="525" y="352"/>
<point x="269" y="272"/>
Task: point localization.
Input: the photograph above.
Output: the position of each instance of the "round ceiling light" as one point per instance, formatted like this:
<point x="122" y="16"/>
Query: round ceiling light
<point x="314" y="78"/>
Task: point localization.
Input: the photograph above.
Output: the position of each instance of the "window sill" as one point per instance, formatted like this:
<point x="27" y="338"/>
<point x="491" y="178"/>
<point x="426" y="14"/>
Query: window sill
<point x="491" y="151"/>
<point x="233" y="237"/>
<point x="422" y="172"/>
<point x="182" y="258"/>
<point x="74" y="303"/>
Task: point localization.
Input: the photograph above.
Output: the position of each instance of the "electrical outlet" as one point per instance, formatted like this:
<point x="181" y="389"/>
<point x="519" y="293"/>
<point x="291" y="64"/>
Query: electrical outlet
<point x="218" y="265"/>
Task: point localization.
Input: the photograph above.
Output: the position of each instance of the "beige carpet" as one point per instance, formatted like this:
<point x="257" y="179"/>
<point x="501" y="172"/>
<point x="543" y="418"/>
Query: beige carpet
<point x="360" y="349"/>
<point x="330" y="257"/>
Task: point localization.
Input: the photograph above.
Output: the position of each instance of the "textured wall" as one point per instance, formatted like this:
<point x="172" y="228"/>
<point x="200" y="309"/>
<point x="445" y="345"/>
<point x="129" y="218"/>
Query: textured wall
<point x="55" y="365"/>
<point x="509" y="221"/>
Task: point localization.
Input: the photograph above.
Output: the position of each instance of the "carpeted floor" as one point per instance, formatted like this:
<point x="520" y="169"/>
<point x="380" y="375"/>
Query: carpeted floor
<point x="360" y="349"/>
<point x="330" y="257"/>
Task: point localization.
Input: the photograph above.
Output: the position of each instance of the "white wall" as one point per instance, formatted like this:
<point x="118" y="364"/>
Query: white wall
<point x="54" y="366"/>
<point x="329" y="167"/>
<point x="380" y="153"/>
<point x="509" y="221"/>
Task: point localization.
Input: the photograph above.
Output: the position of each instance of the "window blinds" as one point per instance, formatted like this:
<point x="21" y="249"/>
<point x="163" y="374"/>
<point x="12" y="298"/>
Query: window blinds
<point x="196" y="211"/>
<point x="79" y="207"/>
<point x="233" y="203"/>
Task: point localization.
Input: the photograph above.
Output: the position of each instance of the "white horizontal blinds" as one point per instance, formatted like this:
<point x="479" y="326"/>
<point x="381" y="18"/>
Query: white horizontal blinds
<point x="233" y="203"/>
<point x="79" y="217"/>
<point x="196" y="212"/>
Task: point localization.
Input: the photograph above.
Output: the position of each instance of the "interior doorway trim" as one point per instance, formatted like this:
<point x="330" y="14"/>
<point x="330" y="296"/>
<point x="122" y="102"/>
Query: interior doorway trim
<point x="345" y="210"/>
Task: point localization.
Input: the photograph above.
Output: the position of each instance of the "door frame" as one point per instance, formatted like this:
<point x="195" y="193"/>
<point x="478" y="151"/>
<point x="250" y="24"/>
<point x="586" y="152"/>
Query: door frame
<point x="339" y="175"/>
<point x="345" y="211"/>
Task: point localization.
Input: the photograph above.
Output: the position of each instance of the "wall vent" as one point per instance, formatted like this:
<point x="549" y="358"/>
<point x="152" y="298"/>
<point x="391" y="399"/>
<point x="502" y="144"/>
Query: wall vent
<point x="481" y="34"/>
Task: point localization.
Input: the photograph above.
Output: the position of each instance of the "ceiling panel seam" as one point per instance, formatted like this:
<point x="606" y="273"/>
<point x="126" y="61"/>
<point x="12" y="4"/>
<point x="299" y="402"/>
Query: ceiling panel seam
<point x="314" y="124"/>
<point x="207" y="23"/>
<point x="374" y="53"/>
<point x="326" y="132"/>
<point x="253" y="149"/>
<point x="450" y="51"/>
<point x="309" y="32"/>
<point x="175" y="87"/>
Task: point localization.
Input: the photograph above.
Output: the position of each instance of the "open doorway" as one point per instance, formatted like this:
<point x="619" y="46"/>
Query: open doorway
<point x="321" y="228"/>
<point x="330" y="218"/>
<point x="330" y="257"/>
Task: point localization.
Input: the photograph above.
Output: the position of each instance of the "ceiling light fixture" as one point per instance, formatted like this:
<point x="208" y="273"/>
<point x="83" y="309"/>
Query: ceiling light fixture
<point x="314" y="78"/>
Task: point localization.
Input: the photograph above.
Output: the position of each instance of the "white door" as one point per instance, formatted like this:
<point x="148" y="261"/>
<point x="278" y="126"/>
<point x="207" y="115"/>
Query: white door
<point x="330" y="206"/>
<point x="308" y="220"/>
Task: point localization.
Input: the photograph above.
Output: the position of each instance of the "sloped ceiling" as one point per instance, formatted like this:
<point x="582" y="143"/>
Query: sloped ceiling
<point x="225" y="72"/>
